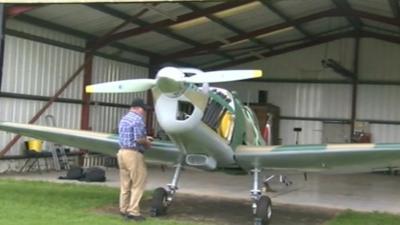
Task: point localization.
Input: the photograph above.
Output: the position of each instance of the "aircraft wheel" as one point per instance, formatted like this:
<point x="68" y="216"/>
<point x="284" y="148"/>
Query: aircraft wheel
<point x="159" y="202"/>
<point x="264" y="211"/>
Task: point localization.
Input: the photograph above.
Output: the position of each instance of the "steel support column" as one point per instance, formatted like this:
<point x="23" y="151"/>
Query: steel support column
<point x="2" y="37"/>
<point x="354" y="84"/>
<point x="87" y="79"/>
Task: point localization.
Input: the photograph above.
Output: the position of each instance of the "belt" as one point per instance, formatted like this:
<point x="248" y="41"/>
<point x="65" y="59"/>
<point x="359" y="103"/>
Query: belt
<point x="131" y="149"/>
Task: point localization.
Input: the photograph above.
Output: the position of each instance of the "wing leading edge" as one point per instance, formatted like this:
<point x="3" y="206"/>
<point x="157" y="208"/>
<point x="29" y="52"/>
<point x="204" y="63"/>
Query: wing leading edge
<point x="338" y="158"/>
<point x="94" y="141"/>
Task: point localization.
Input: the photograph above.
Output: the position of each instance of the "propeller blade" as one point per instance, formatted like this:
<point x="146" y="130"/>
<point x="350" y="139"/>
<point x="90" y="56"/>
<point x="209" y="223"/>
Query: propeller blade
<point x="223" y="76"/>
<point x="122" y="86"/>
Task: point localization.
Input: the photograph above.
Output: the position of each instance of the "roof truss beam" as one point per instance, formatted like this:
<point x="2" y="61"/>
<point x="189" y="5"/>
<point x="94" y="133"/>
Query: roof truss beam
<point x="226" y="25"/>
<point x="371" y="16"/>
<point x="316" y="41"/>
<point x="80" y="34"/>
<point x="163" y="31"/>
<point x="395" y="7"/>
<point x="332" y="12"/>
<point x="283" y="16"/>
<point x="344" y="5"/>
<point x="253" y="34"/>
<point x="180" y="19"/>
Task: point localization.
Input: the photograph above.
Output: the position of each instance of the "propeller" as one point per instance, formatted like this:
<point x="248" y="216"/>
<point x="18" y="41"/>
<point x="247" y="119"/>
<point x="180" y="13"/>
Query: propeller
<point x="173" y="77"/>
<point x="223" y="76"/>
<point x="122" y="86"/>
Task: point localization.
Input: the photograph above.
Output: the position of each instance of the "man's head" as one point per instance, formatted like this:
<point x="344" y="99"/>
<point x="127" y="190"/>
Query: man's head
<point x="139" y="106"/>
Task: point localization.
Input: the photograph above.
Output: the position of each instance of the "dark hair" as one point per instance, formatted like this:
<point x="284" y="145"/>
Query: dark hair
<point x="139" y="103"/>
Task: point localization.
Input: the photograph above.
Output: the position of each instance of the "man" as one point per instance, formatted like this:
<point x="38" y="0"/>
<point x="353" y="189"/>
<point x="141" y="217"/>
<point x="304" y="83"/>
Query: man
<point x="133" y="142"/>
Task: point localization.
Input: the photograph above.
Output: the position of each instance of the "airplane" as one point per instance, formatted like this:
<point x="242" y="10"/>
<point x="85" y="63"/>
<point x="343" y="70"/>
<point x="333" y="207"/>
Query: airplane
<point x="211" y="129"/>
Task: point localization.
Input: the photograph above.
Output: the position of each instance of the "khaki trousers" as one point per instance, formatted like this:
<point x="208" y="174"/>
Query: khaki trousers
<point x="133" y="174"/>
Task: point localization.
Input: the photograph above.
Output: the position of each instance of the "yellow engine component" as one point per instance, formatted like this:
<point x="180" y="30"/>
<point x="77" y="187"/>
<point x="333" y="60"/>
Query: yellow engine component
<point x="226" y="124"/>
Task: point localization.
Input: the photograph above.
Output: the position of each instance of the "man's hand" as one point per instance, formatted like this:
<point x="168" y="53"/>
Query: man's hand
<point x="150" y="138"/>
<point x="146" y="142"/>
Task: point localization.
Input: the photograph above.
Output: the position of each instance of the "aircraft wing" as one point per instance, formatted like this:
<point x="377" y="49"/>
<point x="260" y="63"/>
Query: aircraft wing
<point x="339" y="158"/>
<point x="94" y="141"/>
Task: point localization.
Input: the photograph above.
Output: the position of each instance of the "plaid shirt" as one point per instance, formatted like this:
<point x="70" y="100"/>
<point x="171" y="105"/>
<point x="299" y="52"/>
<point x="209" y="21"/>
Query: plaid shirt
<point x="131" y="128"/>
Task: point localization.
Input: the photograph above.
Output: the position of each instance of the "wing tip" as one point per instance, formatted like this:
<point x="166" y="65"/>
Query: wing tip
<point x="89" y="89"/>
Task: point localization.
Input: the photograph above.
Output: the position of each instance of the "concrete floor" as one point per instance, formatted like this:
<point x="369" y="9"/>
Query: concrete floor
<point x="361" y="192"/>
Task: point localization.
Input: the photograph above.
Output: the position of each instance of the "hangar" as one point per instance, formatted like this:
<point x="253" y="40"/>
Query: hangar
<point x="330" y="66"/>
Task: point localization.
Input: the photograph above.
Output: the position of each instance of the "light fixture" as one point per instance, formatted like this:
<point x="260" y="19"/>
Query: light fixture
<point x="275" y="32"/>
<point x="237" y="10"/>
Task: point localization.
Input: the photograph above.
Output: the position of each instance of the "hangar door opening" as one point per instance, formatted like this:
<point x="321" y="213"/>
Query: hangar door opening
<point x="335" y="133"/>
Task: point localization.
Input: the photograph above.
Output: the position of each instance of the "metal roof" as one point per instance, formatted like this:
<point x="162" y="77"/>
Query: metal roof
<point x="205" y="33"/>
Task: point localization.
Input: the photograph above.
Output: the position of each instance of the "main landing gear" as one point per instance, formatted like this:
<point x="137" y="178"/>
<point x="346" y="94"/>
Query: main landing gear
<point x="262" y="206"/>
<point x="162" y="197"/>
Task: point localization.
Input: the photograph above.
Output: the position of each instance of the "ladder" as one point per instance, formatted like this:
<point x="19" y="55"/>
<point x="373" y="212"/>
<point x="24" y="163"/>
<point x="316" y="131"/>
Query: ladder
<point x="60" y="159"/>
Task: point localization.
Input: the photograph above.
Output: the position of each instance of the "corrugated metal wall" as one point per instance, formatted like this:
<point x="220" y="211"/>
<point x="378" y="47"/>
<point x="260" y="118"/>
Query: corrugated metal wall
<point x="17" y="110"/>
<point x="105" y="118"/>
<point x="34" y="68"/>
<point x="385" y="133"/>
<point x="330" y="101"/>
<point x="311" y="132"/>
<point x="38" y="69"/>
<point x="306" y="63"/>
<point x="105" y="70"/>
<point x="300" y="100"/>
<point x="378" y="61"/>
<point x="377" y="102"/>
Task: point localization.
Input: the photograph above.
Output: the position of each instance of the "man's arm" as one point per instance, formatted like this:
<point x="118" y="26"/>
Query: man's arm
<point x="146" y="142"/>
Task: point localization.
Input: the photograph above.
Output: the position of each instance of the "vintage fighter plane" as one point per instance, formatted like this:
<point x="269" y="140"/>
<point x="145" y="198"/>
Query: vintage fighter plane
<point x="209" y="128"/>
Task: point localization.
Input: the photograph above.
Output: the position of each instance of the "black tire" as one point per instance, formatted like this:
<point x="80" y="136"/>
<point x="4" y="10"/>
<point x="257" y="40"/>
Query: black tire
<point x="159" y="202"/>
<point x="264" y="210"/>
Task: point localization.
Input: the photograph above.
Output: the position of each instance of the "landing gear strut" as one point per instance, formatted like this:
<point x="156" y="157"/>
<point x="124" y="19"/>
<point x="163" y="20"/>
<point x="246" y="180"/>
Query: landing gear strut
<point x="262" y="206"/>
<point x="162" y="197"/>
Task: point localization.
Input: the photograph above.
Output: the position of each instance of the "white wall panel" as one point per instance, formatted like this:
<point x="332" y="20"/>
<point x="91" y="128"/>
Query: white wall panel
<point x="377" y="102"/>
<point x="306" y="63"/>
<point x="385" y="133"/>
<point x="300" y="100"/>
<point x="105" y="118"/>
<point x="379" y="60"/>
<point x="105" y="70"/>
<point x="16" y="110"/>
<point x="311" y="132"/>
<point x="39" y="69"/>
